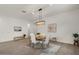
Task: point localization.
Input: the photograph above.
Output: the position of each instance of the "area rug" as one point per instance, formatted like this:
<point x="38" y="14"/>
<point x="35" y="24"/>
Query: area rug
<point x="51" y="50"/>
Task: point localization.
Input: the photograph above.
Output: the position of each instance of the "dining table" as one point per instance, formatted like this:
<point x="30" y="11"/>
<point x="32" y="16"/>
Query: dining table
<point x="40" y="38"/>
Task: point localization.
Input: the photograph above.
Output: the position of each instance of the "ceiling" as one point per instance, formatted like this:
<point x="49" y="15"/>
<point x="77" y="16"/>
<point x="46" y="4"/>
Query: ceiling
<point x="30" y="11"/>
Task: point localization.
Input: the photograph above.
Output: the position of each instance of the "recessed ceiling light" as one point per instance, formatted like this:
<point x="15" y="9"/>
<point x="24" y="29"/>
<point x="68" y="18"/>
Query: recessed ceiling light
<point x="50" y="4"/>
<point x="23" y="11"/>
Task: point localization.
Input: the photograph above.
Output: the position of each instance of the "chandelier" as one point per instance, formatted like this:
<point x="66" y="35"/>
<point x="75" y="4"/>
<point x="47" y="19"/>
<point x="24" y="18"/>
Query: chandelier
<point x="40" y="22"/>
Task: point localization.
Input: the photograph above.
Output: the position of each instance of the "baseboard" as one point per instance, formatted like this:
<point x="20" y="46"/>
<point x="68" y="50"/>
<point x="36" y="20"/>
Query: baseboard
<point x="6" y="41"/>
<point x="65" y="42"/>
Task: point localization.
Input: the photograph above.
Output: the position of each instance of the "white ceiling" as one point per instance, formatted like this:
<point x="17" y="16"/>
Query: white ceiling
<point x="31" y="10"/>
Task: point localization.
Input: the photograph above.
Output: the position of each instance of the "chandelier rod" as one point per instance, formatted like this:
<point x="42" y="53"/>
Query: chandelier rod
<point x="40" y="13"/>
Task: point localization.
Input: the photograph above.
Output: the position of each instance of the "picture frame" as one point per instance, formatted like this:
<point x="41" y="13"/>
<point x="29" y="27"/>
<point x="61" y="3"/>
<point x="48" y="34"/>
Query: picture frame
<point x="17" y="28"/>
<point x="52" y="27"/>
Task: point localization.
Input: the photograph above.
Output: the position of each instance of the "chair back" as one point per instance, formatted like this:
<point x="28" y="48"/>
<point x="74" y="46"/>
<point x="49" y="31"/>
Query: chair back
<point x="33" y="40"/>
<point x="47" y="40"/>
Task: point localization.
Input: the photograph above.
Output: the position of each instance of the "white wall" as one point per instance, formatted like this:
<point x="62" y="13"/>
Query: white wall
<point x="67" y="24"/>
<point x="6" y="27"/>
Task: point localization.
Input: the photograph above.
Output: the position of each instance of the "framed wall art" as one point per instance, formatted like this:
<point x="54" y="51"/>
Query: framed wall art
<point x="52" y="27"/>
<point x="17" y="28"/>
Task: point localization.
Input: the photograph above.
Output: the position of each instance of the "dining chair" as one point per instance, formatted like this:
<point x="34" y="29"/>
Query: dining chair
<point x="46" y="42"/>
<point x="33" y="40"/>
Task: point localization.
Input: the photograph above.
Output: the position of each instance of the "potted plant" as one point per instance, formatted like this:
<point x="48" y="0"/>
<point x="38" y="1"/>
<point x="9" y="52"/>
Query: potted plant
<point x="76" y="35"/>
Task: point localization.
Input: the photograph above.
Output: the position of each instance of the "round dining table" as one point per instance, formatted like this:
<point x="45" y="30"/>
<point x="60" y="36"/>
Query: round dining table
<point x="40" y="38"/>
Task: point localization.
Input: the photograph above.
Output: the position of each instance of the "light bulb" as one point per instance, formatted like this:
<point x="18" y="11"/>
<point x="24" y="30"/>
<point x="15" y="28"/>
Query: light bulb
<point x="28" y="25"/>
<point x="50" y="4"/>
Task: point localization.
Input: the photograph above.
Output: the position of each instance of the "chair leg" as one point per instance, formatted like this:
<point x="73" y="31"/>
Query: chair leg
<point x="33" y="45"/>
<point x="48" y="44"/>
<point x="42" y="45"/>
<point x="45" y="45"/>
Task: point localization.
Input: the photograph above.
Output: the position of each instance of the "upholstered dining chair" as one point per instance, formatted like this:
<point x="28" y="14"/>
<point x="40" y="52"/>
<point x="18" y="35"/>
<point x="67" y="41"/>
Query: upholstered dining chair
<point x="33" y="40"/>
<point x="46" y="42"/>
